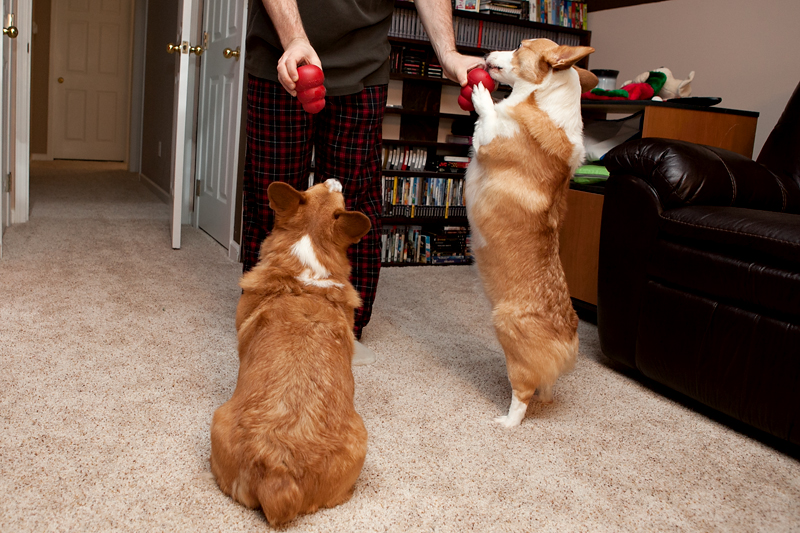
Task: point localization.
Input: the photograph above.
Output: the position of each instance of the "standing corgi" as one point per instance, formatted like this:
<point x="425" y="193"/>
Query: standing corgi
<point x="525" y="150"/>
<point x="290" y="440"/>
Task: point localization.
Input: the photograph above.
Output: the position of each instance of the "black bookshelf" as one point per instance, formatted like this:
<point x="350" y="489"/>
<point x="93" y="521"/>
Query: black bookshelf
<point x="420" y="114"/>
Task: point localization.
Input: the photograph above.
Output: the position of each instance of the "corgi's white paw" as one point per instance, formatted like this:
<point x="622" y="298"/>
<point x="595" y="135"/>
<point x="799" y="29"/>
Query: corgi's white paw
<point x="482" y="99"/>
<point x="507" y="421"/>
<point x="516" y="412"/>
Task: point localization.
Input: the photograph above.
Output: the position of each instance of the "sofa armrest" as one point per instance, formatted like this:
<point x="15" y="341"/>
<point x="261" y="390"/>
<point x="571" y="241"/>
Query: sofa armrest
<point x="684" y="173"/>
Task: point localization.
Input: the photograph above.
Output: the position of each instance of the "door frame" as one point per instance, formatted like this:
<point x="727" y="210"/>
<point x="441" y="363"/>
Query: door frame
<point x="22" y="105"/>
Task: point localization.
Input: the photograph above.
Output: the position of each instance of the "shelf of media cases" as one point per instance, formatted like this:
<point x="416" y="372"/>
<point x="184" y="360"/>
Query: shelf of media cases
<point x="417" y="113"/>
<point x="424" y="221"/>
<point x="512" y="21"/>
<point x="479" y="34"/>
<point x="467" y="261"/>
<point x="422" y="174"/>
<point x="427" y="144"/>
<point x="441" y="81"/>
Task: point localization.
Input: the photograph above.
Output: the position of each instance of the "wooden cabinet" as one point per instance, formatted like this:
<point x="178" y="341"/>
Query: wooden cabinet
<point x="731" y="129"/>
<point x="580" y="243"/>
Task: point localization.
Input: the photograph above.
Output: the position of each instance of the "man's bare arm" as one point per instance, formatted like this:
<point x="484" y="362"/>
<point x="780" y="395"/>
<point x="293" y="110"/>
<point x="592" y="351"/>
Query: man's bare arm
<point x="297" y="49"/>
<point x="437" y="17"/>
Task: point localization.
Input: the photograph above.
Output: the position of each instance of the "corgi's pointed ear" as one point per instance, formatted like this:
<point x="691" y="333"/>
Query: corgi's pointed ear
<point x="283" y="198"/>
<point x="351" y="226"/>
<point x="563" y="57"/>
<point x="588" y="80"/>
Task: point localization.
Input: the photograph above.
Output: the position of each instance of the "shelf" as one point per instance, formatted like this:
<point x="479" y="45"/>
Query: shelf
<point x="513" y="21"/>
<point x="439" y="81"/>
<point x="411" y="112"/>
<point x="625" y="107"/>
<point x="422" y="174"/>
<point x="425" y="144"/>
<point x="420" y="221"/>
<point x="466" y="263"/>
<point x="472" y="28"/>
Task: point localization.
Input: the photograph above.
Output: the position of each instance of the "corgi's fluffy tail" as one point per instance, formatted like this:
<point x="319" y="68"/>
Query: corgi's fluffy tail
<point x="280" y="498"/>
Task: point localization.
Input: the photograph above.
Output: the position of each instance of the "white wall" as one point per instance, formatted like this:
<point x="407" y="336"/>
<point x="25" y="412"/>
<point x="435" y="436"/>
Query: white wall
<point x="746" y="52"/>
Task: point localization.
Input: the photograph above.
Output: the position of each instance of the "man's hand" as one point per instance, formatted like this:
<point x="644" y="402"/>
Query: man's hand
<point x="456" y="66"/>
<point x="298" y="52"/>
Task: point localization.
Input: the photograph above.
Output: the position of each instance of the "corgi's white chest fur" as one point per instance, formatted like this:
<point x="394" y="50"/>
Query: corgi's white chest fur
<point x="556" y="96"/>
<point x="315" y="273"/>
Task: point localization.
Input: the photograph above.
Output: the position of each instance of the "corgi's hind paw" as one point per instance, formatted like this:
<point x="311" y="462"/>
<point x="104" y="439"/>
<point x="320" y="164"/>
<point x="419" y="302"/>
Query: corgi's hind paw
<point x="507" y="421"/>
<point x="544" y="394"/>
<point x="516" y="412"/>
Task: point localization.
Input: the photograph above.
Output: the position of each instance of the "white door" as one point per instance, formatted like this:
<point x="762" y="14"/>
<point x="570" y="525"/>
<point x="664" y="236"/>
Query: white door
<point x="219" y="118"/>
<point x="184" y="51"/>
<point x="90" y="69"/>
<point x="14" y="112"/>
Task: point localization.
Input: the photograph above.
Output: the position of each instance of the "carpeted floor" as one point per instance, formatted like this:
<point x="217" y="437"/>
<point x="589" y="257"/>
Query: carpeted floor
<point x="115" y="350"/>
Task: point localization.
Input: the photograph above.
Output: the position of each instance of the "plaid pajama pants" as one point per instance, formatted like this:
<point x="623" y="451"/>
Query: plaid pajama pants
<point x="346" y="137"/>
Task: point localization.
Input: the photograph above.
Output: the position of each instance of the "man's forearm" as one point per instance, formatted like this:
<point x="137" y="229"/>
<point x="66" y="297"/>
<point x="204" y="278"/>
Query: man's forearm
<point x="437" y="17"/>
<point x="285" y="17"/>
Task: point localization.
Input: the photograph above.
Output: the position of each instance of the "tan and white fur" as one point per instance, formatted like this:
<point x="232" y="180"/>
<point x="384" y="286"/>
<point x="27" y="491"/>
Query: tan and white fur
<point x="525" y="149"/>
<point x="290" y="440"/>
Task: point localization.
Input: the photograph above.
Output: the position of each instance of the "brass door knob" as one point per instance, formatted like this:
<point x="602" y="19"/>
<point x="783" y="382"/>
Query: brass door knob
<point x="228" y="53"/>
<point x="11" y="31"/>
<point x="60" y="80"/>
<point x="196" y="50"/>
<point x="173" y="48"/>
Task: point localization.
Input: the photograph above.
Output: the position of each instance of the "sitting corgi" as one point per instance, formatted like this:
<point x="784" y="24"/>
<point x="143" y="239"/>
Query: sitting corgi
<point x="290" y="440"/>
<point x="525" y="150"/>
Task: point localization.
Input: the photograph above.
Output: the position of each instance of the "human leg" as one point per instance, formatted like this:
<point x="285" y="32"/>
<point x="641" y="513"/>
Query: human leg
<point x="279" y="148"/>
<point x="348" y="148"/>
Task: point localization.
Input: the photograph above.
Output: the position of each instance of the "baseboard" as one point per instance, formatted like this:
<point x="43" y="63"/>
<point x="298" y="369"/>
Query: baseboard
<point x="233" y="251"/>
<point x="41" y="157"/>
<point x="155" y="189"/>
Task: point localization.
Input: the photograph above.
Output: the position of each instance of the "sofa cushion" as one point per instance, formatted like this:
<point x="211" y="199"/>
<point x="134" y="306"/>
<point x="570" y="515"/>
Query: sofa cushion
<point x="747" y="258"/>
<point x="752" y="233"/>
<point x="761" y="288"/>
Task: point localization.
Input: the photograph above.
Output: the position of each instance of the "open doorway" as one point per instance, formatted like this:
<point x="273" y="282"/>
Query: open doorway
<point x="149" y="113"/>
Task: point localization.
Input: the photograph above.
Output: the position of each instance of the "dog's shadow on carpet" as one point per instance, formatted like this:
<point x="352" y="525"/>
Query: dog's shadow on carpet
<point x="447" y="324"/>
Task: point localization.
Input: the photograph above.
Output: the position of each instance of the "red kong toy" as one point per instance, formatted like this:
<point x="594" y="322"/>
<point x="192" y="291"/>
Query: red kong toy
<point x="310" y="90"/>
<point x="474" y="77"/>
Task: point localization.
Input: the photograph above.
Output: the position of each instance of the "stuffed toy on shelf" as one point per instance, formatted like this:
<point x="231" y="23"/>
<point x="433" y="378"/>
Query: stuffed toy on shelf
<point x="673" y="87"/>
<point x="657" y="84"/>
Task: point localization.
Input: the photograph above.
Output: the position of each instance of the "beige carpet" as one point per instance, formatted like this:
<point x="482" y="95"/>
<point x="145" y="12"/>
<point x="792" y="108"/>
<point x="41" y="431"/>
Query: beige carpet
<point x="115" y="351"/>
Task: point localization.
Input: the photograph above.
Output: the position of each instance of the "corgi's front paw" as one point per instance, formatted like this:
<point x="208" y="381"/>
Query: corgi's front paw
<point x="482" y="99"/>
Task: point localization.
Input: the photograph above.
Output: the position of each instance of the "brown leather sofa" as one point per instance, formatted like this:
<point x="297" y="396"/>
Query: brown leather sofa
<point x="699" y="274"/>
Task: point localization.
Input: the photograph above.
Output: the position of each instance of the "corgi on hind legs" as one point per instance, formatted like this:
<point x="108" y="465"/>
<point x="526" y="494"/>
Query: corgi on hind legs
<point x="525" y="150"/>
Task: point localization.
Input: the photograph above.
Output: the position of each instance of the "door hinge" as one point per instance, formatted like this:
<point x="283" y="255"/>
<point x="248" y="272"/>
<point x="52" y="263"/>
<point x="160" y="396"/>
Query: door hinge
<point x="197" y="188"/>
<point x="7" y="183"/>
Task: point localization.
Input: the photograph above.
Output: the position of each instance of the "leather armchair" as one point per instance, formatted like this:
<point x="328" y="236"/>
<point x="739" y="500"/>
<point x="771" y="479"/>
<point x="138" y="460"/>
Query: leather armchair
<point x="699" y="272"/>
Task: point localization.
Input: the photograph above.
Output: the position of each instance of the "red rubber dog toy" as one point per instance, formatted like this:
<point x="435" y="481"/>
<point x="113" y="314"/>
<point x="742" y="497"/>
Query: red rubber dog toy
<point x="474" y="77"/>
<point x="310" y="90"/>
